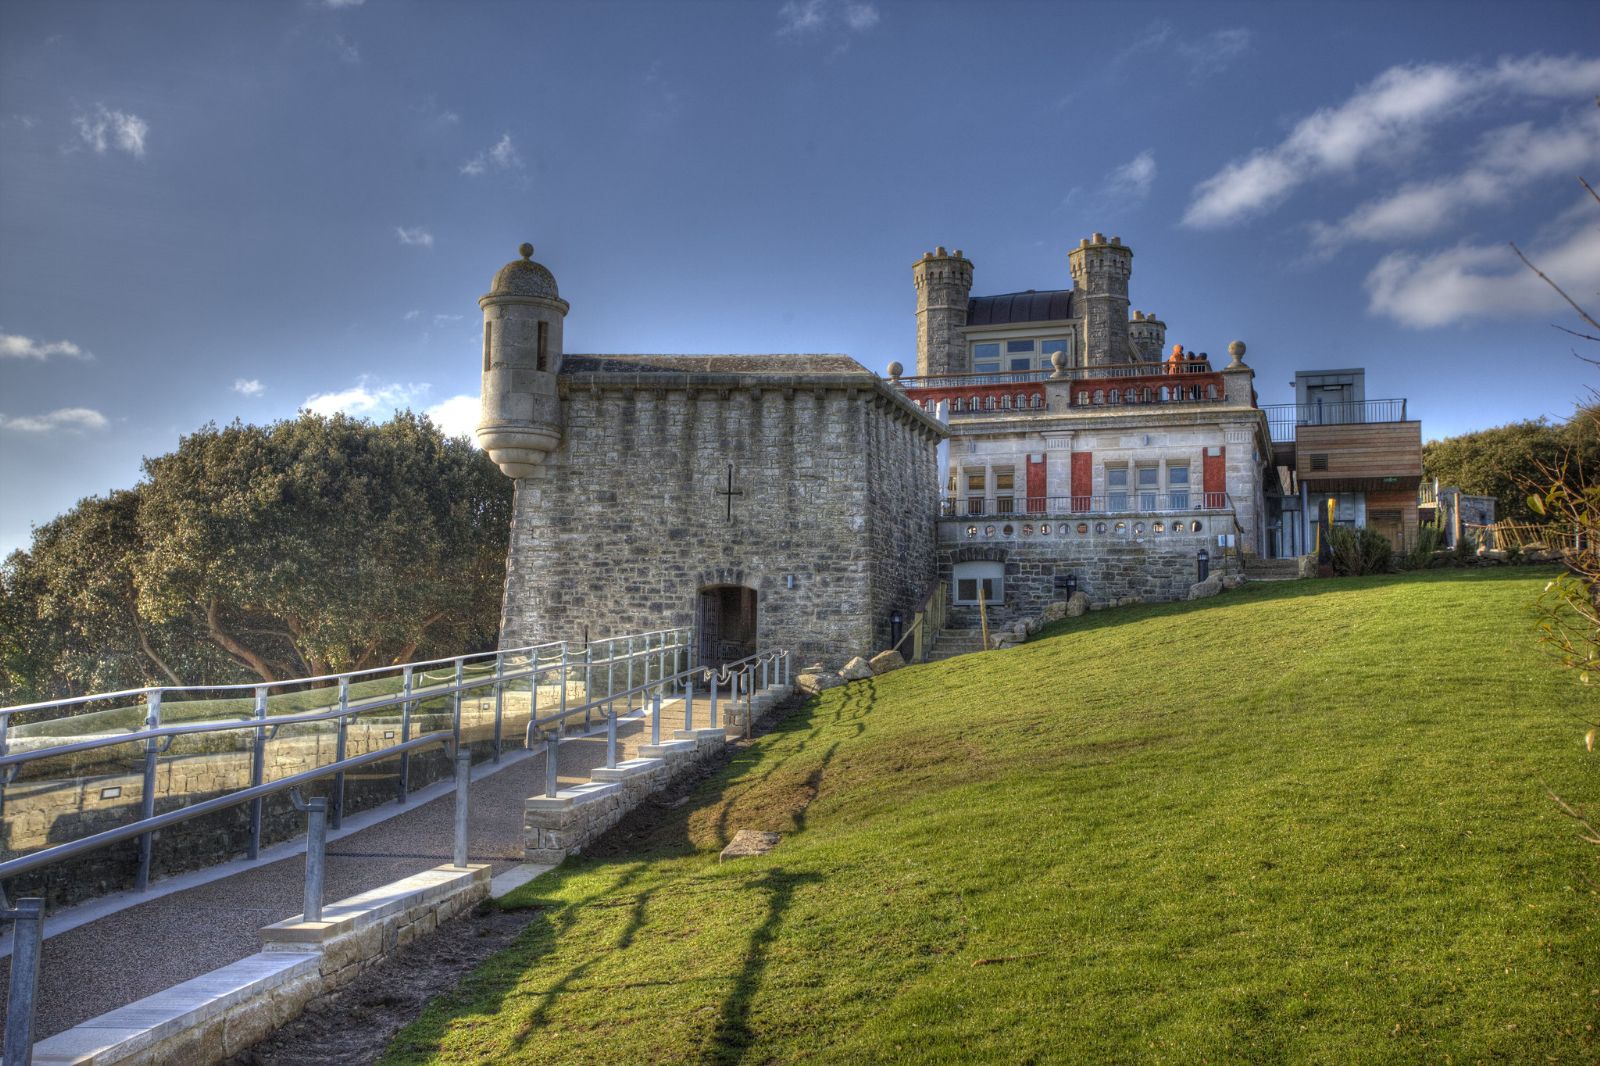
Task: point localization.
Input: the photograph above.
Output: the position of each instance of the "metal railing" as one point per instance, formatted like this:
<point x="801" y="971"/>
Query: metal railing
<point x="1071" y="373"/>
<point x="1133" y="502"/>
<point x="650" y="663"/>
<point x="1283" y="419"/>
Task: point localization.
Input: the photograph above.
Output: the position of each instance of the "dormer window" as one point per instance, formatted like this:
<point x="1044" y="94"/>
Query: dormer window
<point x="986" y="358"/>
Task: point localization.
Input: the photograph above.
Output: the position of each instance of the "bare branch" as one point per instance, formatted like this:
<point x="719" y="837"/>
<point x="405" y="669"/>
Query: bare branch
<point x="1559" y="290"/>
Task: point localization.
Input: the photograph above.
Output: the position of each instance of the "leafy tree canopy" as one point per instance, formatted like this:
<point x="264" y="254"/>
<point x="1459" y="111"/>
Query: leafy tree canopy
<point x="1502" y="462"/>
<point x="312" y="545"/>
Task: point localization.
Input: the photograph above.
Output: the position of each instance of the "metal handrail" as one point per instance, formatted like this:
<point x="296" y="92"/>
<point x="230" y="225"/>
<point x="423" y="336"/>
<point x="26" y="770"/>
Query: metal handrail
<point x="1283" y="419"/>
<point x="1134" y="502"/>
<point x="44" y="857"/>
<point x="1071" y="373"/>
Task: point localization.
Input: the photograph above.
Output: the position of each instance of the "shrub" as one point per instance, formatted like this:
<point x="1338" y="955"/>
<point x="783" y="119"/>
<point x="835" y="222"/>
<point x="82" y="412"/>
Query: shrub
<point x="1360" y="551"/>
<point x="1430" y="537"/>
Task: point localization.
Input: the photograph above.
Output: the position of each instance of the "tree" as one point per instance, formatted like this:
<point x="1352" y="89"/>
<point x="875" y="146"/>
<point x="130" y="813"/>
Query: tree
<point x="311" y="546"/>
<point x="321" y="545"/>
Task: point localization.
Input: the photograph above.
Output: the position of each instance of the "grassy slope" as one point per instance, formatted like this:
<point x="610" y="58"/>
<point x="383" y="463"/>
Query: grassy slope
<point x="1300" y="822"/>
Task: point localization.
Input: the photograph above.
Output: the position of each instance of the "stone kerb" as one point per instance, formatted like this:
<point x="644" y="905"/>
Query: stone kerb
<point x="225" y="1012"/>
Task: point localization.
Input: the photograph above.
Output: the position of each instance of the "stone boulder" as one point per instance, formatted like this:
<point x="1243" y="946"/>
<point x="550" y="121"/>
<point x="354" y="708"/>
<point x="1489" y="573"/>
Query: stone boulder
<point x="1053" y="612"/>
<point x="885" y="661"/>
<point x="747" y="842"/>
<point x="1209" y="587"/>
<point x="1232" y="581"/>
<point x="815" y="681"/>
<point x="857" y="669"/>
<point x="1078" y="605"/>
<point x="1020" y="631"/>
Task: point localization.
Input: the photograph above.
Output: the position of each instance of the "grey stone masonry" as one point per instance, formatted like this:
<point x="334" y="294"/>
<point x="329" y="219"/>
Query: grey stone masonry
<point x="626" y="521"/>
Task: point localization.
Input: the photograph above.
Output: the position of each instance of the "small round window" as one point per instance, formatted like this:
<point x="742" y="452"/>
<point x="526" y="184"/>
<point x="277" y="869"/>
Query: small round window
<point x="1159" y="527"/>
<point x="1027" y="531"/>
<point x="1044" y="529"/>
<point x="1196" y="527"/>
<point x="972" y="531"/>
<point x="1099" y="527"/>
<point x="1122" y="527"/>
<point x="988" y="531"/>
<point x="1138" y="527"/>
<point x="1083" y="527"/>
<point x="1009" y="530"/>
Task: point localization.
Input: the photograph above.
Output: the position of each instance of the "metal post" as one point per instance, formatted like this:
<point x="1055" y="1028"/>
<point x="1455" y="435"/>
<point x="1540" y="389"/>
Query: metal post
<point x="561" y="723"/>
<point x="405" y="734"/>
<point x="533" y="689"/>
<point x="589" y="681"/>
<point x="688" y="704"/>
<point x="5" y="723"/>
<point x="147" y="802"/>
<point x="27" y="923"/>
<point x="630" y="675"/>
<point x="749" y="700"/>
<point x="463" y="782"/>
<point x="316" y="855"/>
<point x="611" y="739"/>
<point x="455" y="705"/>
<point x="339" y="746"/>
<point x="552" y="742"/>
<point x="611" y="669"/>
<point x="499" y="700"/>
<point x="661" y="667"/>
<point x="714" y="675"/>
<point x="258" y="768"/>
<point x="655" y="718"/>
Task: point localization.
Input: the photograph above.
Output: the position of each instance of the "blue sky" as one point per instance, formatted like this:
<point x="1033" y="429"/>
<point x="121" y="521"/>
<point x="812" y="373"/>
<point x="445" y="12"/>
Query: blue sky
<point x="216" y="211"/>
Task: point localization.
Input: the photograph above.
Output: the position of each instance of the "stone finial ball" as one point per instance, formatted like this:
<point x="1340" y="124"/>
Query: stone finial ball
<point x="895" y="370"/>
<point x="1058" y="359"/>
<point x="1236" y="349"/>
<point x="526" y="249"/>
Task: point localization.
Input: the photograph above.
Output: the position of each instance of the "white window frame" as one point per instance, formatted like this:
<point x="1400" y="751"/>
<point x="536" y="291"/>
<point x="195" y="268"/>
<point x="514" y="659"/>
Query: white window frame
<point x="992" y="574"/>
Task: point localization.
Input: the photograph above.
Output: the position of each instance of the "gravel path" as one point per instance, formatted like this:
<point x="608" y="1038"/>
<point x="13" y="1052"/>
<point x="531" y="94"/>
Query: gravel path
<point x="137" y="952"/>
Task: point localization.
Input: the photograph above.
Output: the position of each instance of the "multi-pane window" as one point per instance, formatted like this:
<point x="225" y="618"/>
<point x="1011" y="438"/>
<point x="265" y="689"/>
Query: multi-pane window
<point x="975" y="490"/>
<point x="1048" y="349"/>
<point x="1117" y="488"/>
<point x="986" y="358"/>
<point x="1178" y="487"/>
<point x="1149" y="487"/>
<point x="1019" y="355"/>
<point x="1004" y="487"/>
<point x="971" y="578"/>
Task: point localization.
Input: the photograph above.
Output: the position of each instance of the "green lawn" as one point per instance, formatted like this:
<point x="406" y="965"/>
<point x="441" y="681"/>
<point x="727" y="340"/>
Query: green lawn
<point x="1300" y="822"/>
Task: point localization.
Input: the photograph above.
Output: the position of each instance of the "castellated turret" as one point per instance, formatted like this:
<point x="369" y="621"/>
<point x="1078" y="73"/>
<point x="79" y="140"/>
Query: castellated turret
<point x="944" y="284"/>
<point x="1100" y="270"/>
<point x="1148" y="335"/>
<point x="519" y="421"/>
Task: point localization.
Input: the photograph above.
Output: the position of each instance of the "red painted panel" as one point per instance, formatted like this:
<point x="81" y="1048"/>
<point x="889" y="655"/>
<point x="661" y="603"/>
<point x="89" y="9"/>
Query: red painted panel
<point x="1038" y="485"/>
<point x="1082" y="480"/>
<point x="1215" y="475"/>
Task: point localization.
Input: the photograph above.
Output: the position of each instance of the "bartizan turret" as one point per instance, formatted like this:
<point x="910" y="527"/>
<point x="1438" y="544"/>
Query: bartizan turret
<point x="1148" y="335"/>
<point x="1100" y="271"/>
<point x="520" y="419"/>
<point x="944" y="284"/>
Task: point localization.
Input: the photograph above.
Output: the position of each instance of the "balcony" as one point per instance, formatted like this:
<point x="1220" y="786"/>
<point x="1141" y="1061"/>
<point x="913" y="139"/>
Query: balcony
<point x="1284" y="420"/>
<point x="1125" y="503"/>
<point x="1122" y="385"/>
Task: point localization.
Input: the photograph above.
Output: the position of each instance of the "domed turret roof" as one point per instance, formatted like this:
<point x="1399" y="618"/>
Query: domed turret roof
<point x="524" y="277"/>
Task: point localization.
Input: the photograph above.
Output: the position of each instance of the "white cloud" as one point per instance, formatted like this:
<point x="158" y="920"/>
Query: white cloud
<point x="1482" y="281"/>
<point x="112" y="129"/>
<point x="248" y="387"/>
<point x="502" y="155"/>
<point x="1381" y="117"/>
<point x="365" y="398"/>
<point x="15" y="346"/>
<point x="347" y="49"/>
<point x="811" y="18"/>
<point x="445" y="320"/>
<point x="457" y="416"/>
<point x="337" y="4"/>
<point x="1132" y="179"/>
<point x="414" y="235"/>
<point x="411" y="315"/>
<point x="1505" y="161"/>
<point x="1214" y="52"/>
<point x="65" y="419"/>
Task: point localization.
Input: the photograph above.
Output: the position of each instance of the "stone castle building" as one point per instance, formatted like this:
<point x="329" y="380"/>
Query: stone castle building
<point x="798" y="500"/>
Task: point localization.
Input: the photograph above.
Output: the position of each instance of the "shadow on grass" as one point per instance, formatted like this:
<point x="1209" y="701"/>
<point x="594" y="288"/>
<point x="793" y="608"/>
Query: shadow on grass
<point x="731" y="1040"/>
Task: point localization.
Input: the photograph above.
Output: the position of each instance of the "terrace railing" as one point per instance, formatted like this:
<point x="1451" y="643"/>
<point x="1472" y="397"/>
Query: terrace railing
<point x="1071" y="373"/>
<point x="1134" y="503"/>
<point x="1284" y="419"/>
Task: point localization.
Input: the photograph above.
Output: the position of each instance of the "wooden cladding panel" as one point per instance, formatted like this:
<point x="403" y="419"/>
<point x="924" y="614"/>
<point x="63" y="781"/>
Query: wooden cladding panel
<point x="1360" y="450"/>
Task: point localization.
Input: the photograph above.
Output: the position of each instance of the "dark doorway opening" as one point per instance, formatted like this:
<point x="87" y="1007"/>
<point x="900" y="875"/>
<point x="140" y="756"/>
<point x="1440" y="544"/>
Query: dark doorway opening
<point x="726" y="623"/>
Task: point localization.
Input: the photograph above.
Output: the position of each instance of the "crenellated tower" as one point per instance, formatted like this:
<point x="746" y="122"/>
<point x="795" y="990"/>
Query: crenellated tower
<point x="1100" y="271"/>
<point x="519" y="420"/>
<point x="1148" y="335"/>
<point x="944" y="284"/>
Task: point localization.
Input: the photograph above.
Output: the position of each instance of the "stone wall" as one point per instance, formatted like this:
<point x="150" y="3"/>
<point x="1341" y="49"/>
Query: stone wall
<point x="1109" y="563"/>
<point x="625" y="523"/>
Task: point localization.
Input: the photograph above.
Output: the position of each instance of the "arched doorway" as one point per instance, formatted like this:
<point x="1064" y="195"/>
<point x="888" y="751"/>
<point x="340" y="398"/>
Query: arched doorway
<point x="726" y="624"/>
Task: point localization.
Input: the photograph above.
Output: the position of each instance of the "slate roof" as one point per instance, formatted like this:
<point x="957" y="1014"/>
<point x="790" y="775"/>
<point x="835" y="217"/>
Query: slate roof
<point x="785" y="365"/>
<point x="1031" y="306"/>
